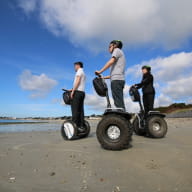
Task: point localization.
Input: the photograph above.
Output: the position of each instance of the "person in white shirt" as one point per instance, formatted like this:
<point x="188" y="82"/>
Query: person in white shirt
<point x="78" y="96"/>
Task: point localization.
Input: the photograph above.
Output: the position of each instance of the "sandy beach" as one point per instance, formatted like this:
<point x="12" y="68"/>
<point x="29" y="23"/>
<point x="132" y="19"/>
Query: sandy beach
<point x="44" y="162"/>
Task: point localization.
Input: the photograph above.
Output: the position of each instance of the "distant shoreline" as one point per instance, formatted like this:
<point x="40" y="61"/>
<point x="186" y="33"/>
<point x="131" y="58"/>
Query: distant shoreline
<point x="8" y="123"/>
<point x="48" y="118"/>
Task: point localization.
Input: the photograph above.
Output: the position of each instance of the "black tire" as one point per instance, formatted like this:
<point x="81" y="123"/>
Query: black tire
<point x="69" y="130"/>
<point x="157" y="127"/>
<point x="114" y="123"/>
<point x="87" y="130"/>
<point x="137" y="129"/>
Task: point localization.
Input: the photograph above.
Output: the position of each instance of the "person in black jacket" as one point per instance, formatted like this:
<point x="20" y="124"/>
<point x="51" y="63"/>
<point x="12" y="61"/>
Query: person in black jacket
<point x="147" y="89"/>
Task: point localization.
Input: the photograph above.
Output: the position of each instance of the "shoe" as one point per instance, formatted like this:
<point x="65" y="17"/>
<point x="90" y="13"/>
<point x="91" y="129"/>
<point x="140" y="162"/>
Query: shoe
<point x="121" y="110"/>
<point x="81" y="129"/>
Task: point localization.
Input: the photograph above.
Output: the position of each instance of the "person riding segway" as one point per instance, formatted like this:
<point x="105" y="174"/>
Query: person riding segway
<point x="114" y="131"/>
<point x="147" y="121"/>
<point x="117" y="72"/>
<point x="147" y="89"/>
<point x="77" y="127"/>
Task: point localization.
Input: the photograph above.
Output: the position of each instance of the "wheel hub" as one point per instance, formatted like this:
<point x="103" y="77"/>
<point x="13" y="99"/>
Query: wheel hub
<point x="156" y="127"/>
<point x="113" y="132"/>
<point x="69" y="130"/>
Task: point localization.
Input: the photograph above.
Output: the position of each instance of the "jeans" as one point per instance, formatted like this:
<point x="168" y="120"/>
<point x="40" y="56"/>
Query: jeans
<point x="117" y="87"/>
<point x="77" y="108"/>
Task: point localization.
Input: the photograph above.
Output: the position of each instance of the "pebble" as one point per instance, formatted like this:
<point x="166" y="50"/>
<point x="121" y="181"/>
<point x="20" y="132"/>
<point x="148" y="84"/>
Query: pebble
<point x="35" y="170"/>
<point x="52" y="173"/>
<point x="12" y="179"/>
<point x="116" y="189"/>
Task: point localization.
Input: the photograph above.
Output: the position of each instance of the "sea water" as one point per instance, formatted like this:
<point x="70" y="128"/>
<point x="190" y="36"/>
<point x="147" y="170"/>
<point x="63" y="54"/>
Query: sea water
<point x="37" y="126"/>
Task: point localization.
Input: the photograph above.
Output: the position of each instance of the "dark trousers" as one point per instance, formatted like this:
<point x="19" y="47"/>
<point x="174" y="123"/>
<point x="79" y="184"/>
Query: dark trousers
<point x="148" y="102"/>
<point x="117" y="87"/>
<point x="77" y="108"/>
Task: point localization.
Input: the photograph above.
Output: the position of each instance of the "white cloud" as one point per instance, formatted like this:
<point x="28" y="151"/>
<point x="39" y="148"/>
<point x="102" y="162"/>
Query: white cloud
<point x="38" y="85"/>
<point x="94" y="102"/>
<point x="28" y="6"/>
<point x="94" y="23"/>
<point x="163" y="100"/>
<point x="189" y="101"/>
<point x="166" y="68"/>
<point x="179" y="89"/>
<point x="173" y="77"/>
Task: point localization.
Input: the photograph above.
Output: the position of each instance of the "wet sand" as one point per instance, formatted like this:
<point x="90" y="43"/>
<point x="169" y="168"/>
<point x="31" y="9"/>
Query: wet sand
<point x="44" y="162"/>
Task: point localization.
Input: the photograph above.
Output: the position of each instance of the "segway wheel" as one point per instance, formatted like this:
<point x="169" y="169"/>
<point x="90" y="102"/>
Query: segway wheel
<point x="69" y="130"/>
<point x="87" y="130"/>
<point x="137" y="129"/>
<point x="157" y="127"/>
<point x="114" y="132"/>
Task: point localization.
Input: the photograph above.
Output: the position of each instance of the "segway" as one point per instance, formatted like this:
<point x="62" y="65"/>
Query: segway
<point x="69" y="129"/>
<point x="114" y="131"/>
<point x="153" y="124"/>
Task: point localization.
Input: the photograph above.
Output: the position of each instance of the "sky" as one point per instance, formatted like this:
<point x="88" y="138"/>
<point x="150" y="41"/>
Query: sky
<point x="41" y="39"/>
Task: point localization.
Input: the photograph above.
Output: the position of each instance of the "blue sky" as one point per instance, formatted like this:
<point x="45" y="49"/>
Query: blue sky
<point x="40" y="41"/>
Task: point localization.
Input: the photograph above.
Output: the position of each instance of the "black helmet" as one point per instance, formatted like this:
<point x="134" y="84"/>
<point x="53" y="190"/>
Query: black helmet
<point x="146" y="67"/>
<point x="118" y="43"/>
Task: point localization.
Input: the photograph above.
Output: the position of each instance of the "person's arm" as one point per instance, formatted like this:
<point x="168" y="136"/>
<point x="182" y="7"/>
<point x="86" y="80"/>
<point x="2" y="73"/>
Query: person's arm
<point x="107" y="77"/>
<point x="145" y="81"/>
<point x="76" y="85"/>
<point x="138" y="86"/>
<point x="107" y="65"/>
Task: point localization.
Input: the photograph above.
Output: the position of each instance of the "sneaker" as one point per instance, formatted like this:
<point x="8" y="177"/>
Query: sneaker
<point x="81" y="129"/>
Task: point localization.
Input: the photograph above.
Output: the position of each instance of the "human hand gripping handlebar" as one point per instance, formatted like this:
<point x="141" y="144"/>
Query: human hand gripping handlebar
<point x="98" y="74"/>
<point x="107" y="96"/>
<point x="66" y="90"/>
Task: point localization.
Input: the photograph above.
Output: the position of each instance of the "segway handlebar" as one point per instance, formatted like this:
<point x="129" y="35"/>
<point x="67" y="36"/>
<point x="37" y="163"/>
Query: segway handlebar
<point x="99" y="75"/>
<point x="64" y="89"/>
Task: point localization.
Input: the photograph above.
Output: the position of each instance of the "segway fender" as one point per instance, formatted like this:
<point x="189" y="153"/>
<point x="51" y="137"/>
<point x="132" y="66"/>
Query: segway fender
<point x="69" y="130"/>
<point x="156" y="113"/>
<point x="117" y="112"/>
